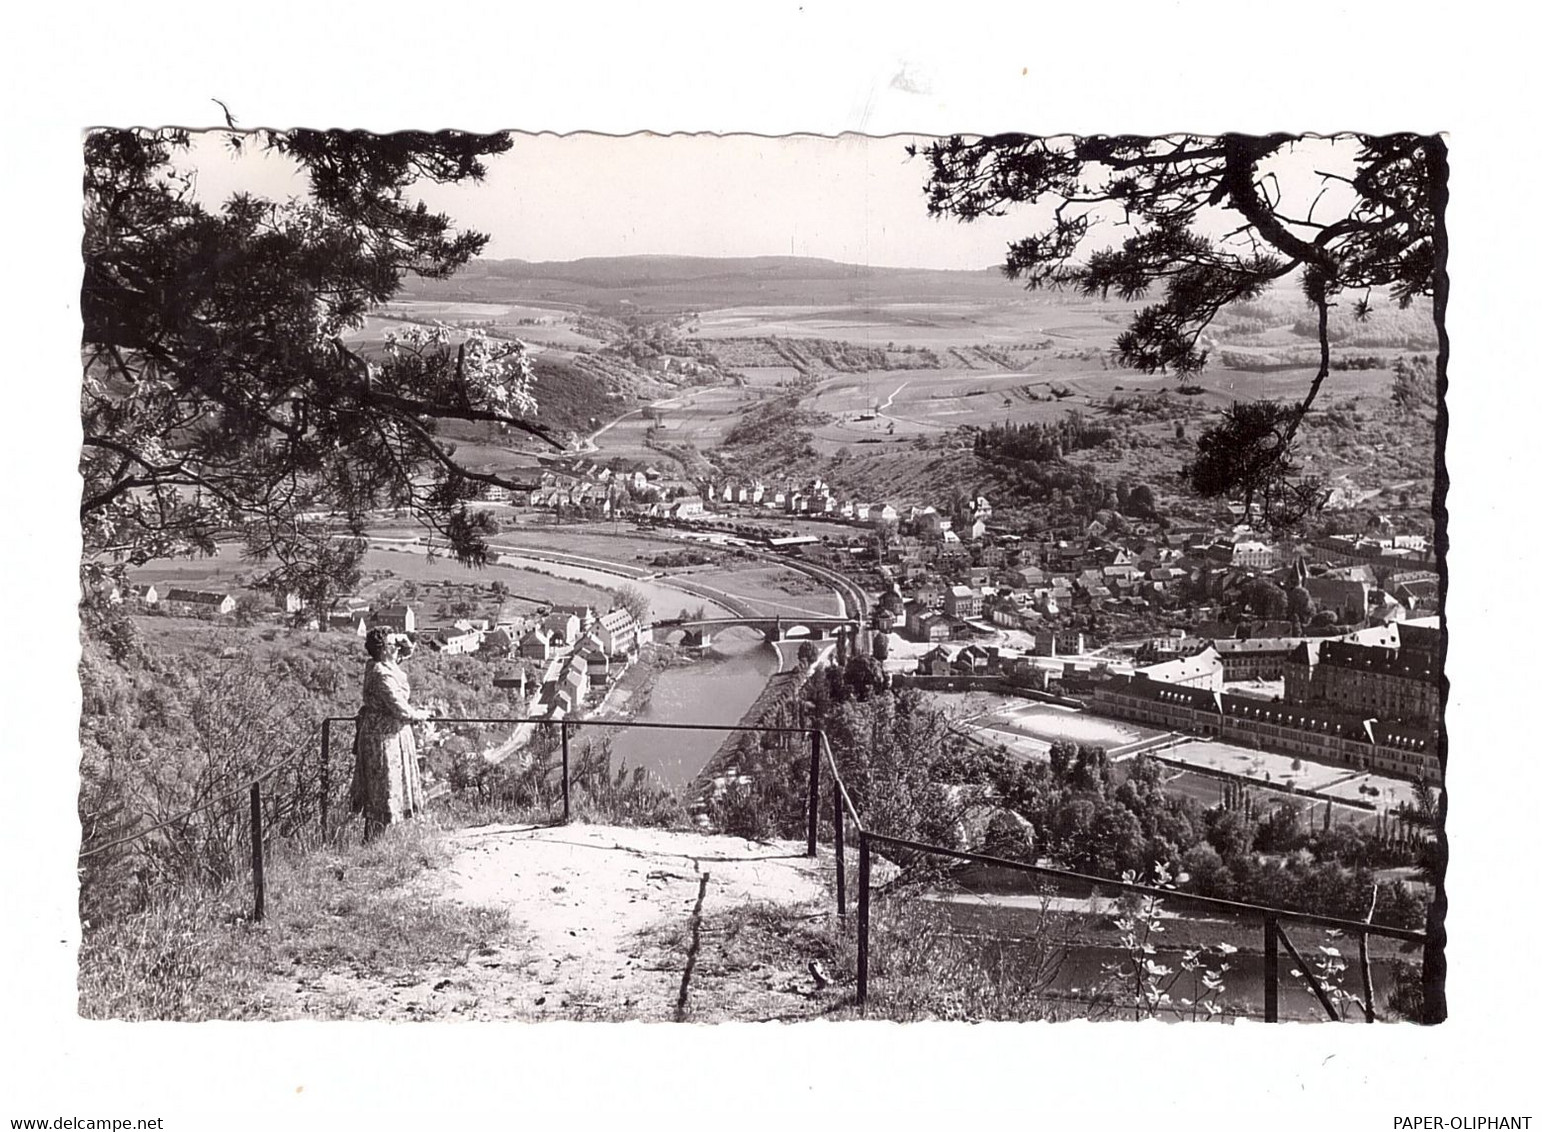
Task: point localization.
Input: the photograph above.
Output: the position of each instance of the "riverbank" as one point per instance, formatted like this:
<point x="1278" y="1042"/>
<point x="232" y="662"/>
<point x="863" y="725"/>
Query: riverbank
<point x="781" y="688"/>
<point x="709" y="690"/>
<point x="633" y="689"/>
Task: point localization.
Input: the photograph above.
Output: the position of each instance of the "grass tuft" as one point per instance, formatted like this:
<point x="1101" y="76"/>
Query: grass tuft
<point x="195" y="954"/>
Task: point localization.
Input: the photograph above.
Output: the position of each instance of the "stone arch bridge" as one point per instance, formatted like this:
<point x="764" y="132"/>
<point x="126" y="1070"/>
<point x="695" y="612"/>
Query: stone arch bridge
<point x="698" y="632"/>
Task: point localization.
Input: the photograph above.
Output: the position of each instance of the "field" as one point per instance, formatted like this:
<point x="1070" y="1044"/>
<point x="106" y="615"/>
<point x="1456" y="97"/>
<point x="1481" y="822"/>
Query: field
<point x="699" y="418"/>
<point x="1010" y="320"/>
<point x="1028" y="728"/>
<point x="1281" y="772"/>
<point x="225" y="569"/>
<point x="889" y="365"/>
<point x="666" y="285"/>
<point x="407" y="565"/>
<point x="886" y="433"/>
<point x="771" y="589"/>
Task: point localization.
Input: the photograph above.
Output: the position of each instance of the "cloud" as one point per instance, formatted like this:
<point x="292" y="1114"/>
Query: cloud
<point x="911" y="79"/>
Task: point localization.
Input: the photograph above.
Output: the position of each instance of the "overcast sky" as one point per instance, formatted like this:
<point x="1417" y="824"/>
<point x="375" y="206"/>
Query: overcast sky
<point x="852" y="198"/>
<point x="855" y="199"/>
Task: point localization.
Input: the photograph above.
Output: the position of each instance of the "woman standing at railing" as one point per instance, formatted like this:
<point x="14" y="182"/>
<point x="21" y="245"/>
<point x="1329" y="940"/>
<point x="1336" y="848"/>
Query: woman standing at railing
<point x="386" y="786"/>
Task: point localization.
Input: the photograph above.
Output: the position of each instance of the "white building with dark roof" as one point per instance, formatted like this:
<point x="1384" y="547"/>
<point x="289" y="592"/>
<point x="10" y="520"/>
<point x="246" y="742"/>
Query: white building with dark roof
<point x="204" y="603"/>
<point x="1203" y="670"/>
<point x="403" y="618"/>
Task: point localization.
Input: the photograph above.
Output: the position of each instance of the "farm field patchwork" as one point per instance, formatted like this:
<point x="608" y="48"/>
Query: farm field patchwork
<point x="1013" y="318"/>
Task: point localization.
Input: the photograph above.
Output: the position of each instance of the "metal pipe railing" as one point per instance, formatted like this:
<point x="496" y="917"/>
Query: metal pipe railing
<point x="845" y="809"/>
<point x="817" y="744"/>
<point x="1214" y="903"/>
<point x="1273" y="935"/>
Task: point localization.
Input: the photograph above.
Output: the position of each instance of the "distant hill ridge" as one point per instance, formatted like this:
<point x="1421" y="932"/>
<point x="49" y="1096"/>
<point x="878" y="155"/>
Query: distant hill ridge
<point x="620" y="270"/>
<point x="673" y="283"/>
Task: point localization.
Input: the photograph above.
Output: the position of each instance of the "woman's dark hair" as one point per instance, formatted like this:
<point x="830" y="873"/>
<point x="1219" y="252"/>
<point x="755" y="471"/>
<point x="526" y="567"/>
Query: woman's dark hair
<point x="376" y="640"/>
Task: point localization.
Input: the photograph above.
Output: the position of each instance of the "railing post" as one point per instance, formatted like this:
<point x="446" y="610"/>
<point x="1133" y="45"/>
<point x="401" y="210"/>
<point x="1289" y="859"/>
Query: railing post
<point x="259" y="885"/>
<point x="864" y="895"/>
<point x="1306" y="972"/>
<point x="813" y="792"/>
<point x="1365" y="979"/>
<point x="1271" y="969"/>
<point x="1365" y="962"/>
<point x="566" y="814"/>
<point x="840" y="855"/>
<point x="325" y="784"/>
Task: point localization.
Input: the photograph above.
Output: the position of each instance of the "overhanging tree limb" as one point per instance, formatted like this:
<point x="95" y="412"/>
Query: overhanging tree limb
<point x="208" y="351"/>
<point x="1165" y="191"/>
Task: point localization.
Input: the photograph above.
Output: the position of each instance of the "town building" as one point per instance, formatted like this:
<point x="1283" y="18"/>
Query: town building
<point x="1251" y="554"/>
<point x="961" y="602"/>
<point x="536" y="645"/>
<point x="929" y="626"/>
<point x="1202" y="670"/>
<point x="1257" y="658"/>
<point x="687" y="507"/>
<point x="936" y="662"/>
<point x="597" y="661"/>
<point x="402" y="618"/>
<point x="565" y="628"/>
<point x="1347" y="598"/>
<point x="575" y="681"/>
<point x="457" y="640"/>
<point x="1373" y="681"/>
<point x="198" y="603"/>
<point x="617" y="632"/>
<point x="585" y="614"/>
<point x="1383" y="747"/>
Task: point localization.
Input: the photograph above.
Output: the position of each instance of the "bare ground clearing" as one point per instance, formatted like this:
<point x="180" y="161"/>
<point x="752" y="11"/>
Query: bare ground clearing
<point x="608" y="927"/>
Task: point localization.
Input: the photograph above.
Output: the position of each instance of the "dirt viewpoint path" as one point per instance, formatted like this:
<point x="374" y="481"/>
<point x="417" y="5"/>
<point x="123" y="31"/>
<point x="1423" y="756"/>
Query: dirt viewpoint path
<point x="606" y="926"/>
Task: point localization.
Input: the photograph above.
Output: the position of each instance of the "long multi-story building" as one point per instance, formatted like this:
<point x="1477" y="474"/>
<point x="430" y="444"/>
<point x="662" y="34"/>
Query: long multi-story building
<point x="1382" y="746"/>
<point x="961" y="602"/>
<point x="202" y="603"/>
<point x="1386" y="683"/>
<point x="1253" y="554"/>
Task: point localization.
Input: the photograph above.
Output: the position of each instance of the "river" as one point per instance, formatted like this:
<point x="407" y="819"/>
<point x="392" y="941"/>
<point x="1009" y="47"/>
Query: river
<point x="716" y="689"/>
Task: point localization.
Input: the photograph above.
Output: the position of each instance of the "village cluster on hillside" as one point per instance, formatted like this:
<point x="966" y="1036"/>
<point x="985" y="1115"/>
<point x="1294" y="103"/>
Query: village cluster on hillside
<point x="1325" y="646"/>
<point x="561" y="656"/>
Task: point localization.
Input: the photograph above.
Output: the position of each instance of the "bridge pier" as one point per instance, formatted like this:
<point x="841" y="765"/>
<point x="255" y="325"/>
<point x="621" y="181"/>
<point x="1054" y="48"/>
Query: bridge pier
<point x="697" y="638"/>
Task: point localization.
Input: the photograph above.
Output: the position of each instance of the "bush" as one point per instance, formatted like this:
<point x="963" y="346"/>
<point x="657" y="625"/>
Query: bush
<point x="764" y="792"/>
<point x="1009" y="835"/>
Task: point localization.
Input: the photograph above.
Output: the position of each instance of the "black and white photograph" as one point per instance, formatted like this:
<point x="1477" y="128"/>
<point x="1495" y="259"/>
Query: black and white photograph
<point x="1030" y="609"/>
<point x="797" y="563"/>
